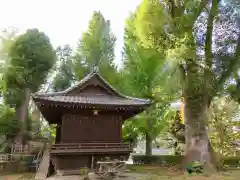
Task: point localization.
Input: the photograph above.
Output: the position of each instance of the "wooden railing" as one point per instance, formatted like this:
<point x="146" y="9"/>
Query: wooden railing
<point x="90" y="146"/>
<point x="19" y="148"/>
<point x="6" y="157"/>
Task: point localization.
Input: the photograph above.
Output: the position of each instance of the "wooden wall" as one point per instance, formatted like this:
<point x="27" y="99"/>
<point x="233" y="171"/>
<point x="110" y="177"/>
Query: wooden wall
<point x="90" y="129"/>
<point x="76" y="162"/>
<point x="71" y="162"/>
<point x="58" y="133"/>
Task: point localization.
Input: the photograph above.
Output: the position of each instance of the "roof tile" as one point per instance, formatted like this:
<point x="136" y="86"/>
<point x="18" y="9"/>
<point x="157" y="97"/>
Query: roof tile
<point x="64" y="96"/>
<point x="96" y="99"/>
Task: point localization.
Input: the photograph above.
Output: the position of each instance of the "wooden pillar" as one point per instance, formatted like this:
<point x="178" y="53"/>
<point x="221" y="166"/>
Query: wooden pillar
<point x="58" y="134"/>
<point x="92" y="162"/>
<point x="120" y="126"/>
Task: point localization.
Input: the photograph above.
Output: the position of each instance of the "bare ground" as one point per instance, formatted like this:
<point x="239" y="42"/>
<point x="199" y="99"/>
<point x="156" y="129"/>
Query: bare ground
<point x="145" y="173"/>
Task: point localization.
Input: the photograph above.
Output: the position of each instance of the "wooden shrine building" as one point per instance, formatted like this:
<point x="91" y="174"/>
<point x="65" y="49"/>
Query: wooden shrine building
<point x="89" y="118"/>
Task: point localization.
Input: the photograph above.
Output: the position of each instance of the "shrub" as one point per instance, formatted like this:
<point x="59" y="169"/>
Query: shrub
<point x="194" y="167"/>
<point x="23" y="158"/>
<point x="5" y="148"/>
<point x="84" y="171"/>
<point x="166" y="160"/>
<point x="27" y="158"/>
<point x="230" y="161"/>
<point x="9" y="125"/>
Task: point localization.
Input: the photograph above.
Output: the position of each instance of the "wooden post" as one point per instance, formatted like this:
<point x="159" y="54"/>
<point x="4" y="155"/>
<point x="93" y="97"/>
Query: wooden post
<point x="92" y="162"/>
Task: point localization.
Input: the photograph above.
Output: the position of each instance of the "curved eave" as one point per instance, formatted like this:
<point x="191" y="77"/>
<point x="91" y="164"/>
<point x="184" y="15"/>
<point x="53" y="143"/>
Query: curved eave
<point x="109" y="105"/>
<point x="87" y="78"/>
<point x="52" y="110"/>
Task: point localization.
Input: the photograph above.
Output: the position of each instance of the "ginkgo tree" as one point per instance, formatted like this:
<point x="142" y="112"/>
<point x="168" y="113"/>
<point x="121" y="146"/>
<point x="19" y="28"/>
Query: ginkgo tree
<point x="143" y="78"/>
<point x="194" y="36"/>
<point x="96" y="48"/>
<point x="64" y="74"/>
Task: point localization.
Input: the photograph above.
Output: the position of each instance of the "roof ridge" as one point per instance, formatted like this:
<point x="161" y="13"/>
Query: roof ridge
<point x="85" y="96"/>
<point x="92" y="100"/>
<point x="86" y="78"/>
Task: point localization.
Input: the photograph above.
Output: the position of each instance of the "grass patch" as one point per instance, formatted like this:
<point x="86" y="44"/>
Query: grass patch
<point x="23" y="176"/>
<point x="155" y="169"/>
<point x="168" y="173"/>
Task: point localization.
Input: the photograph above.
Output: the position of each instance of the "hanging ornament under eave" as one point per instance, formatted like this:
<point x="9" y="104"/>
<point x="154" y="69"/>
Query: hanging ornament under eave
<point x="182" y="110"/>
<point x="95" y="112"/>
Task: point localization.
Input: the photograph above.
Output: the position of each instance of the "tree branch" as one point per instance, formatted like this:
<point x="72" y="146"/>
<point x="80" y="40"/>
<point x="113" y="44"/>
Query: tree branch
<point x="197" y="11"/>
<point x="234" y="62"/>
<point x="208" y="75"/>
<point x="209" y="41"/>
<point x="183" y="73"/>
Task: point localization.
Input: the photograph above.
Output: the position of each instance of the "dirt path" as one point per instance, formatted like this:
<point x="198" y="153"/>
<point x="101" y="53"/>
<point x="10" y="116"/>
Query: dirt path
<point x="17" y="177"/>
<point x="128" y="176"/>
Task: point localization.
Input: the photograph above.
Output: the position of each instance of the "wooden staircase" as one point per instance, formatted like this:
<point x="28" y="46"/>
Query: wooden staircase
<point x="42" y="170"/>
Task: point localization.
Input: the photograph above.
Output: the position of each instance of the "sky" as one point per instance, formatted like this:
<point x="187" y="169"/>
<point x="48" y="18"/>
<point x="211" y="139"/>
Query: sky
<point x="65" y="20"/>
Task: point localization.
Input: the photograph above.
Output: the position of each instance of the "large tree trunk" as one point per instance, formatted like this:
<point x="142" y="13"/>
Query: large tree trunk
<point x="148" y="151"/>
<point x="22" y="116"/>
<point x="36" y="117"/>
<point x="198" y="146"/>
<point x="148" y="134"/>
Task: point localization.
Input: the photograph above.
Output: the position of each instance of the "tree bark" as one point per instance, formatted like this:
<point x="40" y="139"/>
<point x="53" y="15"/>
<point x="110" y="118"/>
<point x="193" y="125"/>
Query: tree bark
<point x="148" y="151"/>
<point x="22" y="116"/>
<point x="198" y="145"/>
<point x="148" y="133"/>
<point x="36" y="116"/>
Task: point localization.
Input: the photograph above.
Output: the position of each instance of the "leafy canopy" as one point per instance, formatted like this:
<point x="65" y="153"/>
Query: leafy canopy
<point x="144" y="78"/>
<point x="9" y="125"/>
<point x="96" y="48"/>
<point x="30" y="57"/>
<point x="64" y="76"/>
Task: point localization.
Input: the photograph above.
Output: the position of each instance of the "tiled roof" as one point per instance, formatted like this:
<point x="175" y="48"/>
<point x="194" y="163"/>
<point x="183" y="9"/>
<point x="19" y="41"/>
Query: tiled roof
<point x="117" y="99"/>
<point x="96" y="99"/>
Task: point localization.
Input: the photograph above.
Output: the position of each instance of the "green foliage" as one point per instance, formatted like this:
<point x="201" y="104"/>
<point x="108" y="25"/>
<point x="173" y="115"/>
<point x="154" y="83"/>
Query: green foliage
<point x="144" y="78"/>
<point x="84" y="171"/>
<point x="224" y="117"/>
<point x="6" y="40"/>
<point x="9" y="125"/>
<point x="49" y="131"/>
<point x="5" y="148"/>
<point x="165" y="160"/>
<point x="27" y="159"/>
<point x="96" y="48"/>
<point x="194" y="167"/>
<point x="195" y="37"/>
<point x="152" y="17"/>
<point x="30" y="58"/>
<point x="230" y="161"/>
<point x="142" y="66"/>
<point x="130" y="132"/>
<point x="165" y="26"/>
<point x="168" y="160"/>
<point x="64" y="76"/>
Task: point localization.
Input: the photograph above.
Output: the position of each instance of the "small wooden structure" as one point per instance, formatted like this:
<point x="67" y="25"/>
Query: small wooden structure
<point x="89" y="118"/>
<point x="110" y="167"/>
<point x="5" y="159"/>
<point x="22" y="149"/>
